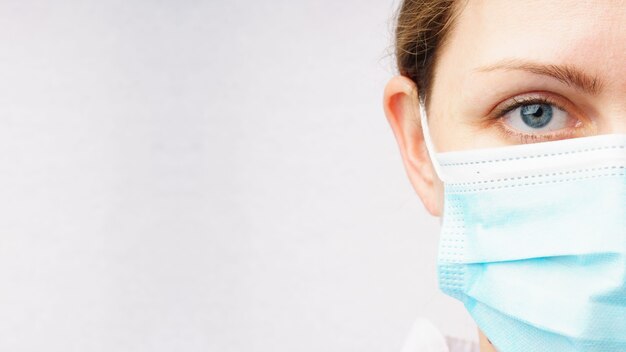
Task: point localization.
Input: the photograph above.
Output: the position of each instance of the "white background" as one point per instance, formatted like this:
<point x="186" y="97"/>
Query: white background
<point x="206" y="176"/>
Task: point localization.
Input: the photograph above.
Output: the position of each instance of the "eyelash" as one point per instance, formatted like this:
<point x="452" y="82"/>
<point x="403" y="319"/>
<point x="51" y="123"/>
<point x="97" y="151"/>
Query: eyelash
<point x="526" y="101"/>
<point x="497" y="118"/>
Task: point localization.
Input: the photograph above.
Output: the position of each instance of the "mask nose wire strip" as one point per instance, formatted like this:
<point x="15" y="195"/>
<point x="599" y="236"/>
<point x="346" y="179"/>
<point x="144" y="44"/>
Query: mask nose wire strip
<point x="429" y="143"/>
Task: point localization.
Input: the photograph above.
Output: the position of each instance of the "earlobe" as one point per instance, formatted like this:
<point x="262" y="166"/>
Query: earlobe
<point x="401" y="108"/>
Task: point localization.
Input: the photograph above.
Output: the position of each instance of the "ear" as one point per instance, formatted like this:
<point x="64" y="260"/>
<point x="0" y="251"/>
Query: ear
<point x="401" y="108"/>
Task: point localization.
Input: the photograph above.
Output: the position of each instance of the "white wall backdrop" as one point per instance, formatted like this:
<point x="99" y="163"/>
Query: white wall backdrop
<point x="206" y="176"/>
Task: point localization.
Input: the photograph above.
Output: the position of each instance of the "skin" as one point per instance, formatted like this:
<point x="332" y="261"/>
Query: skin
<point x="502" y="50"/>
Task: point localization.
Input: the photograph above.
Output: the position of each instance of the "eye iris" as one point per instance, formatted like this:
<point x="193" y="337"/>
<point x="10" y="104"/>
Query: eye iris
<point x="536" y="115"/>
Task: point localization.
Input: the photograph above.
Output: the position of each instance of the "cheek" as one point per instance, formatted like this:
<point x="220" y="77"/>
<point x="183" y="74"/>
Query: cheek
<point x="455" y="130"/>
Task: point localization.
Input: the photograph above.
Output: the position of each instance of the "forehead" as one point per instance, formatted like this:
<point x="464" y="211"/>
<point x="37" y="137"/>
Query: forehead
<point x="587" y="34"/>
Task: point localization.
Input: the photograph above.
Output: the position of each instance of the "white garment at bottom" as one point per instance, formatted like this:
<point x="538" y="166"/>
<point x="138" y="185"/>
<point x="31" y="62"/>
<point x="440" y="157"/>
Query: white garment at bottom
<point x="425" y="337"/>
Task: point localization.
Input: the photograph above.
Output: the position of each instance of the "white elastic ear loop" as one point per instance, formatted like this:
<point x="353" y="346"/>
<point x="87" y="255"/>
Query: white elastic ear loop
<point x="429" y="143"/>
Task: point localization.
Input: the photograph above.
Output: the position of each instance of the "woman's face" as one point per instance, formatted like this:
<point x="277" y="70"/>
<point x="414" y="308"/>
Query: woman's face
<point x="513" y="72"/>
<point x="530" y="71"/>
<point x="517" y="72"/>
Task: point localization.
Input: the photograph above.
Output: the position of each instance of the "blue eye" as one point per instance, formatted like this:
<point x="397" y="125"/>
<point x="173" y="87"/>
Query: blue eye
<point x="536" y="115"/>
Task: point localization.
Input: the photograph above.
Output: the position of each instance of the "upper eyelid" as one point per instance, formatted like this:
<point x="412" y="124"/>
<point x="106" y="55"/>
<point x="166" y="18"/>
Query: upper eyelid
<point x="526" y="101"/>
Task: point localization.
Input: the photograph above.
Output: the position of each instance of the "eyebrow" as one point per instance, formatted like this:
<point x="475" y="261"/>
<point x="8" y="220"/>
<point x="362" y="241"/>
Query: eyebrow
<point x="567" y="74"/>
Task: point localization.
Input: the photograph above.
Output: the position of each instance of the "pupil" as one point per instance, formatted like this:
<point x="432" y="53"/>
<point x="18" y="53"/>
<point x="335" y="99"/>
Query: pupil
<point x="536" y="115"/>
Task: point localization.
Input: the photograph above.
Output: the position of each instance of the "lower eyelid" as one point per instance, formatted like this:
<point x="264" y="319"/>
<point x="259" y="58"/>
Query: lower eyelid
<point x="524" y="138"/>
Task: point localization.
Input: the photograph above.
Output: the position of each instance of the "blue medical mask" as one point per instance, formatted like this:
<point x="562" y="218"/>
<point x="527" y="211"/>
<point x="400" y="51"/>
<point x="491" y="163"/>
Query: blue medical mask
<point x="533" y="242"/>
